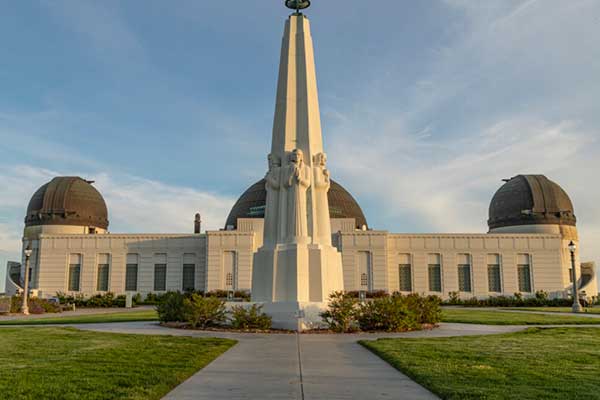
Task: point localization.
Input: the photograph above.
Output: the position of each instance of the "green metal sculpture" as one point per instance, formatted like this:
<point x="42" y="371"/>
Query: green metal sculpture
<point x="297" y="4"/>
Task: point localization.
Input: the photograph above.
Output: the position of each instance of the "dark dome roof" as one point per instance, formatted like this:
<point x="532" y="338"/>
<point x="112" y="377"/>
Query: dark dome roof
<point x="529" y="200"/>
<point x="252" y="204"/>
<point x="67" y="200"/>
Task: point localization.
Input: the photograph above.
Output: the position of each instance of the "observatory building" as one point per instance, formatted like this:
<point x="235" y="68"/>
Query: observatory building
<point x="298" y="234"/>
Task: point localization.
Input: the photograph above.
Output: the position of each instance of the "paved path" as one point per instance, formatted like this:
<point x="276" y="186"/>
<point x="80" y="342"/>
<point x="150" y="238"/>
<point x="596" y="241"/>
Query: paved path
<point x="307" y="366"/>
<point x="78" y="312"/>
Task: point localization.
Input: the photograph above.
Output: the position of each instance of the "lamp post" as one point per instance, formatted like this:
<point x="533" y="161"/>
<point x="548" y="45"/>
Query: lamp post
<point x="25" y="307"/>
<point x="576" y="305"/>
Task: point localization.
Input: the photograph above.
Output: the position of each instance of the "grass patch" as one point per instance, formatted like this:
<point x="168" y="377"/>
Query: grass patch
<point x="554" y="309"/>
<point x="145" y="315"/>
<point x="65" y="363"/>
<point x="467" y="316"/>
<point x="550" y="363"/>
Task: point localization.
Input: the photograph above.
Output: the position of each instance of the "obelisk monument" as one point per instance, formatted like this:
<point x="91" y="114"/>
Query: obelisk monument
<point x="297" y="267"/>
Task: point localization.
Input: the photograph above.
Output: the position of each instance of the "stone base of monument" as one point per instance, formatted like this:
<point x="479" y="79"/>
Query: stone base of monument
<point x="300" y="273"/>
<point x="296" y="316"/>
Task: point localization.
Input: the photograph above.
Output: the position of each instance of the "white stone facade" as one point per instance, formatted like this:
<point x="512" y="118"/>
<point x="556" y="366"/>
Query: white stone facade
<point x="378" y="254"/>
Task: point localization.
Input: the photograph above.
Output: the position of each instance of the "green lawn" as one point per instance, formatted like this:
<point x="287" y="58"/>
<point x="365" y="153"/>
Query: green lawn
<point x="470" y="316"/>
<point x="65" y="363"/>
<point x="145" y="315"/>
<point x="551" y="363"/>
<point x="588" y="310"/>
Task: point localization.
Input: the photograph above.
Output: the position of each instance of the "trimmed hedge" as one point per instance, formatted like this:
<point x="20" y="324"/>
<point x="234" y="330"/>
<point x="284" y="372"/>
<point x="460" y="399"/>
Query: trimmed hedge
<point x="106" y="300"/>
<point x="35" y="304"/>
<point x="517" y="300"/>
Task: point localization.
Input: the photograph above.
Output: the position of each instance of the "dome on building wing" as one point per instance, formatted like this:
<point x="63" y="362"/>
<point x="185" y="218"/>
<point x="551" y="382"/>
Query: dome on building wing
<point x="67" y="200"/>
<point x="530" y="200"/>
<point x="252" y="203"/>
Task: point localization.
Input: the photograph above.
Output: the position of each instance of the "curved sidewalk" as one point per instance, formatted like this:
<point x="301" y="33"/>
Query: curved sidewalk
<point x="305" y="366"/>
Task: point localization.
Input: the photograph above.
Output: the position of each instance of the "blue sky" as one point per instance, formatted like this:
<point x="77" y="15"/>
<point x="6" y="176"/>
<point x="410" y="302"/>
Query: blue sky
<point x="426" y="106"/>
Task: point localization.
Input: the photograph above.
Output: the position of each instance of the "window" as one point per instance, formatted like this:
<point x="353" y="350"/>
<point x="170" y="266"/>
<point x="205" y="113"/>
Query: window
<point x="74" y="272"/>
<point x="435" y="273"/>
<point x="160" y="272"/>
<point x="189" y="272"/>
<point x="131" y="273"/>
<point x="365" y="270"/>
<point x="103" y="272"/>
<point x="464" y="273"/>
<point x="524" y="271"/>
<point x="404" y="273"/>
<point x="493" y="269"/>
<point x="230" y="270"/>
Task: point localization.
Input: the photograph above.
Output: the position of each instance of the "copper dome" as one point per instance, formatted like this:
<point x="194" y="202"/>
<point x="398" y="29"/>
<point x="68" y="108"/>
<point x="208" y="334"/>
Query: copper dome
<point x="67" y="200"/>
<point x="530" y="200"/>
<point x="252" y="204"/>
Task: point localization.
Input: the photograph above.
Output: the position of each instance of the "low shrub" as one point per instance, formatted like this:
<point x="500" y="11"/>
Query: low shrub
<point x="341" y="313"/>
<point x="170" y="307"/>
<point x="36" y="305"/>
<point x="541" y="299"/>
<point x="374" y="294"/>
<point x="202" y="312"/>
<point x="103" y="300"/>
<point x="396" y="313"/>
<point x="427" y="308"/>
<point x="388" y="314"/>
<point x="5" y="304"/>
<point x="249" y="318"/>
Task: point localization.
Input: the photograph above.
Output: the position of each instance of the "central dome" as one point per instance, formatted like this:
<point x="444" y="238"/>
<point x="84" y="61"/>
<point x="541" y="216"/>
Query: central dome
<point x="252" y="204"/>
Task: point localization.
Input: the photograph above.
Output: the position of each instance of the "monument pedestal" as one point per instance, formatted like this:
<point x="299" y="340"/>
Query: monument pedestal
<point x="292" y="280"/>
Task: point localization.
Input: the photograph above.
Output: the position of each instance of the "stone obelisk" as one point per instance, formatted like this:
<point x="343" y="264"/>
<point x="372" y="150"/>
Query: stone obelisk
<point x="297" y="267"/>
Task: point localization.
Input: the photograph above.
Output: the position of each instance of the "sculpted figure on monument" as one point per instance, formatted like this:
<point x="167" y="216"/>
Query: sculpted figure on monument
<point x="298" y="178"/>
<point x="321" y="185"/>
<point x="273" y="186"/>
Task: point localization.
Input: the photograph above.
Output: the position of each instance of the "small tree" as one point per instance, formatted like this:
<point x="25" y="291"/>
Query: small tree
<point x="341" y="312"/>
<point x="202" y="312"/>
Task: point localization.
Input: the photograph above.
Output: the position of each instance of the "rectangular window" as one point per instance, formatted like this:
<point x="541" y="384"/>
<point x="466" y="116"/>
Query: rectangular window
<point x="103" y="272"/>
<point x="160" y="272"/>
<point x="464" y="272"/>
<point x="404" y="273"/>
<point x="189" y="272"/>
<point x="365" y="270"/>
<point x="435" y="272"/>
<point x="131" y="273"/>
<point x="74" y="272"/>
<point x="524" y="271"/>
<point x="494" y="277"/>
<point x="230" y="270"/>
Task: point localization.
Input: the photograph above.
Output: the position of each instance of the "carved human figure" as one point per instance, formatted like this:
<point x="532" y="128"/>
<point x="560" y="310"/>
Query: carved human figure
<point x="273" y="186"/>
<point x="297" y="180"/>
<point x="320" y="188"/>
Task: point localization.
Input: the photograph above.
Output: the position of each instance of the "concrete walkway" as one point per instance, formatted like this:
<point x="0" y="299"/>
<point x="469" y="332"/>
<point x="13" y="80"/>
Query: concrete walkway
<point x="306" y="366"/>
<point x="76" y="313"/>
